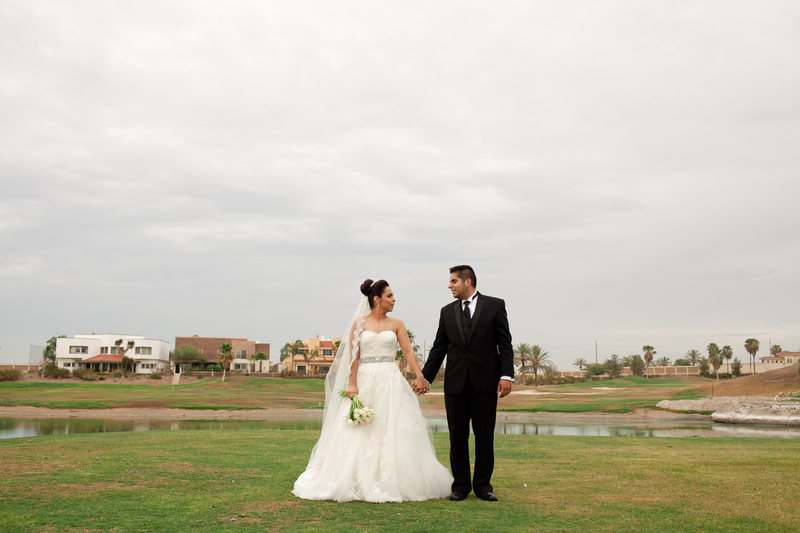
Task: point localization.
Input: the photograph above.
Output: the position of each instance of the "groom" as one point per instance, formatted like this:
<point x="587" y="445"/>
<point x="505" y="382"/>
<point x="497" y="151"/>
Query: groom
<point x="474" y="335"/>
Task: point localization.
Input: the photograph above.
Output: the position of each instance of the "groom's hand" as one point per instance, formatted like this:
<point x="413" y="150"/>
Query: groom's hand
<point x="420" y="386"/>
<point x="504" y="388"/>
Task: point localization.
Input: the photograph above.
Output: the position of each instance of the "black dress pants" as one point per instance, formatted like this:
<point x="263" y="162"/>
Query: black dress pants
<point x="480" y="409"/>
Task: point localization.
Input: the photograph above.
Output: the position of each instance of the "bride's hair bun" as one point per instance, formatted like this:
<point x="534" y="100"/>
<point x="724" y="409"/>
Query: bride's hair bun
<point x="366" y="286"/>
<point x="370" y="289"/>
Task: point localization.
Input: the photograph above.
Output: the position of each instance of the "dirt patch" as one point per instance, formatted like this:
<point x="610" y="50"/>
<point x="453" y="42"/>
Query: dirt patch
<point x="142" y="404"/>
<point x="765" y="384"/>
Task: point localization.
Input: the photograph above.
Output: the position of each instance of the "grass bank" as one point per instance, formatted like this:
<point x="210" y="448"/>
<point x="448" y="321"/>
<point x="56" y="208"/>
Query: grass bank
<point x="249" y="392"/>
<point x="237" y="392"/>
<point x="177" y="481"/>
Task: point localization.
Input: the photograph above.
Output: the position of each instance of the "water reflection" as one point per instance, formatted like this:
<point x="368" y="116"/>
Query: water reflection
<point x="11" y="428"/>
<point x="645" y="429"/>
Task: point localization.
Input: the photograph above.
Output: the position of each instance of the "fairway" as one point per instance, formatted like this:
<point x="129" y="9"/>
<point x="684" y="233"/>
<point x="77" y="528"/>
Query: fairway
<point x="217" y="480"/>
<point x="248" y="392"/>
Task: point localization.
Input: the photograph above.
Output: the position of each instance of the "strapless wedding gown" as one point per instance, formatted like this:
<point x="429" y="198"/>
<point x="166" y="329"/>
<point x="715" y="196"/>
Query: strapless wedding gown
<point x="391" y="459"/>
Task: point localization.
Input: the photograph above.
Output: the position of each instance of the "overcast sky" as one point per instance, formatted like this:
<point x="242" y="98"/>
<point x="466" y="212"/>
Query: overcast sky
<point x="625" y="172"/>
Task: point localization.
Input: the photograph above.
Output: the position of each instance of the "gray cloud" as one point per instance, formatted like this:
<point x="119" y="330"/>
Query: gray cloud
<point x="624" y="172"/>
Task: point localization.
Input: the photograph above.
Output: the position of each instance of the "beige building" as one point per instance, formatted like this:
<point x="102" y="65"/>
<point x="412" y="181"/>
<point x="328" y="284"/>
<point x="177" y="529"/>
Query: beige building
<point x="779" y="360"/>
<point x="315" y="357"/>
<point x="243" y="351"/>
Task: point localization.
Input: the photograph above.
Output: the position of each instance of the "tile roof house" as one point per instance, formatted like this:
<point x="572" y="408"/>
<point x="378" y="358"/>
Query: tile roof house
<point x="101" y="353"/>
<point x="315" y="357"/>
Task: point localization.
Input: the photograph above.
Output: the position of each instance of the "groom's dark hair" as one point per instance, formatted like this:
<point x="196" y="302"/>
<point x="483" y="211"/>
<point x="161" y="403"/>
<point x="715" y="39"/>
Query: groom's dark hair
<point x="465" y="272"/>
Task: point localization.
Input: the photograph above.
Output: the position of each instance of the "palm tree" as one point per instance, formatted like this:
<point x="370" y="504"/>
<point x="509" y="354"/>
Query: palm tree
<point x="727" y="353"/>
<point x="539" y="361"/>
<point x="580" y="362"/>
<point x="399" y="354"/>
<point x="311" y="355"/>
<point x="291" y="349"/>
<point x="649" y="352"/>
<point x="712" y="349"/>
<point x="752" y="345"/>
<point x="714" y="358"/>
<point x="775" y="349"/>
<point x="49" y="352"/>
<point x="225" y="356"/>
<point x="523" y="352"/>
<point x="693" y="355"/>
<point x="123" y="364"/>
<point x="664" y="361"/>
<point x="716" y="362"/>
<point x="260" y="356"/>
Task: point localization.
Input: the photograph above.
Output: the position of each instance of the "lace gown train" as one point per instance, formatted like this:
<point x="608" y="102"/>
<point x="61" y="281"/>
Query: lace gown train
<point x="391" y="459"/>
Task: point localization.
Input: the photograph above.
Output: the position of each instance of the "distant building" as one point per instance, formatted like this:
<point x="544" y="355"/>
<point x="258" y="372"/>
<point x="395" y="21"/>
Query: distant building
<point x="314" y="358"/>
<point x="100" y="353"/>
<point x="243" y="351"/>
<point x="780" y="360"/>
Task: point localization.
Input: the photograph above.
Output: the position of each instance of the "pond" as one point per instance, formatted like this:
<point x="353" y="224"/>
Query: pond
<point x="11" y="428"/>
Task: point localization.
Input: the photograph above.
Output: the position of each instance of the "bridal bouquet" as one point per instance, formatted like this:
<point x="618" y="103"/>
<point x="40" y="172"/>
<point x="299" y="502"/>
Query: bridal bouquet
<point x="359" y="414"/>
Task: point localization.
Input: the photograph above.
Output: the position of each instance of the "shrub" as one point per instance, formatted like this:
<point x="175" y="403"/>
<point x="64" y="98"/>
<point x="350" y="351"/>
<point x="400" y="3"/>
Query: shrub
<point x="51" y="370"/>
<point x="288" y="374"/>
<point x="704" y="369"/>
<point x="595" y="370"/>
<point x="116" y="374"/>
<point x="637" y="365"/>
<point x="102" y="378"/>
<point x="199" y="376"/>
<point x="613" y="366"/>
<point x="155" y="375"/>
<point x="10" y="375"/>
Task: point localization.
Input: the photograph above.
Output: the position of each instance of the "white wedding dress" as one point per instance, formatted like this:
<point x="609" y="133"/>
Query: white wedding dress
<point x="391" y="459"/>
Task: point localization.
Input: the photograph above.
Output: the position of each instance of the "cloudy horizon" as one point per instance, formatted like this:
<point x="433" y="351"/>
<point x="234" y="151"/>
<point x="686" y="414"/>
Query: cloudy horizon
<point x="619" y="172"/>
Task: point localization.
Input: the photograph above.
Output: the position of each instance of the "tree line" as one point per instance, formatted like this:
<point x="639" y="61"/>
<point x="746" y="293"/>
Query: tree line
<point x="614" y="365"/>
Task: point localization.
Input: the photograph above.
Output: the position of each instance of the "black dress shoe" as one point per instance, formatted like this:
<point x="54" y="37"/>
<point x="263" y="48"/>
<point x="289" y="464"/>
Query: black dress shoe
<point x="457" y="496"/>
<point x="487" y="496"/>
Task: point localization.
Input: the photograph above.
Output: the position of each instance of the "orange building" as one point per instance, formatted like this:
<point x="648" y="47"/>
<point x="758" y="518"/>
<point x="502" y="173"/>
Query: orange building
<point x="315" y="357"/>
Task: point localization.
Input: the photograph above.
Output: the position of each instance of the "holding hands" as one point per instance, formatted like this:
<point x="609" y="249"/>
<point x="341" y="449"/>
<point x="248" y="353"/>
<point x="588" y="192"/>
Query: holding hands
<point x="420" y="386"/>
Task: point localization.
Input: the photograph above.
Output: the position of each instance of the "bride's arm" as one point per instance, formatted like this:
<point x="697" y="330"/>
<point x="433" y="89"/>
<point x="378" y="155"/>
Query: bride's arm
<point x="408" y="353"/>
<point x="352" y="386"/>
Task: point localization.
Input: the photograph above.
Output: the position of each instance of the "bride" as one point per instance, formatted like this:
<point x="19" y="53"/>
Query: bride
<point x="390" y="459"/>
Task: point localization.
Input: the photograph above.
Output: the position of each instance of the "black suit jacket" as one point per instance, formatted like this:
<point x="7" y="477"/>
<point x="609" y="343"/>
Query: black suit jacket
<point x="484" y="351"/>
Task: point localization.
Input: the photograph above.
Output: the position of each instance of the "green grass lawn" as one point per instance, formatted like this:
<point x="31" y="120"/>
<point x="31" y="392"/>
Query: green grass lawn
<point x="181" y="481"/>
<point x="237" y="392"/>
<point x="248" y="392"/>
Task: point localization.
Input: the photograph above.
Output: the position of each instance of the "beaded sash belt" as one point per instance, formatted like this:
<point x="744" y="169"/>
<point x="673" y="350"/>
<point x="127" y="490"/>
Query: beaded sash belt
<point x="377" y="359"/>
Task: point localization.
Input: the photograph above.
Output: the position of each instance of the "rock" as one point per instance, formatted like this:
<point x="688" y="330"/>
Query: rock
<point x="741" y="410"/>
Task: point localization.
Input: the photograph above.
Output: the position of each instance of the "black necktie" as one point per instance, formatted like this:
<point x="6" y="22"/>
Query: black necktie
<point x="467" y="316"/>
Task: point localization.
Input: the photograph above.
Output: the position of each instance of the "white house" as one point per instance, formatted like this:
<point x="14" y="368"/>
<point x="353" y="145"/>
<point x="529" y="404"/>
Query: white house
<point x="100" y="353"/>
